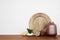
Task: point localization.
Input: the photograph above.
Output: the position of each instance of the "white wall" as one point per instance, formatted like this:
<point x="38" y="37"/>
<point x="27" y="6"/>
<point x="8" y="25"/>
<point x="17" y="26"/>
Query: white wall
<point x="15" y="14"/>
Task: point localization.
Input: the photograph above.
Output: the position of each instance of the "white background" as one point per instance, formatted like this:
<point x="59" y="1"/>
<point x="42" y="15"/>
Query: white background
<point x="15" y="14"/>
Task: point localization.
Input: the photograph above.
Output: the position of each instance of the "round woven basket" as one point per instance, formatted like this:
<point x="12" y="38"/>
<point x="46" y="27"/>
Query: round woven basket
<point x="39" y="21"/>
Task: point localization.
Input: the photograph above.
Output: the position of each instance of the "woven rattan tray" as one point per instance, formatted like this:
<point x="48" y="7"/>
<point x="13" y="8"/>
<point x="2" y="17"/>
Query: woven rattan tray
<point x="39" y="21"/>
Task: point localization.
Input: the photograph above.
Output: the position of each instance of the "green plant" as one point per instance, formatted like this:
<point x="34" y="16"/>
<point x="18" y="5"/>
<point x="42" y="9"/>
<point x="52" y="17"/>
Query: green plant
<point x="29" y="30"/>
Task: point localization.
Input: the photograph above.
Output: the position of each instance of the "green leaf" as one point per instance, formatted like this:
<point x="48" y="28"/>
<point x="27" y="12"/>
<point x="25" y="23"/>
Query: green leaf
<point x="29" y="30"/>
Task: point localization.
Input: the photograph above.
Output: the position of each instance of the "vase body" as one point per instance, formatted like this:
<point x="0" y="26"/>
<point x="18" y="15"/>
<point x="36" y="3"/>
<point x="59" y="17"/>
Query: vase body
<point x="51" y="29"/>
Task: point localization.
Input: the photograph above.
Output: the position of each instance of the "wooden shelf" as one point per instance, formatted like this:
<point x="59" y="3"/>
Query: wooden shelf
<point x="21" y="37"/>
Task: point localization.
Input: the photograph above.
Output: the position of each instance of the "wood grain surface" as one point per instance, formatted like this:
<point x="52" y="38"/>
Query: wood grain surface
<point x="21" y="37"/>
